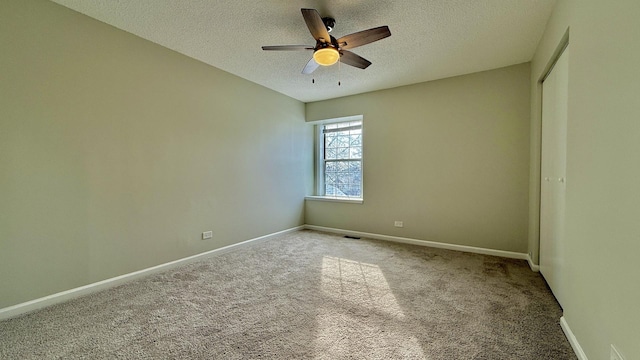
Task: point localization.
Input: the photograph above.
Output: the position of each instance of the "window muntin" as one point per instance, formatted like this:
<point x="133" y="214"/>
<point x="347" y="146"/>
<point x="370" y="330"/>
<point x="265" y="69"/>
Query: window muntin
<point x="342" y="159"/>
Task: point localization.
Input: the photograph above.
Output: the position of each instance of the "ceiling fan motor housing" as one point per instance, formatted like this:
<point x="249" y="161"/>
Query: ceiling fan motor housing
<point x="329" y="23"/>
<point x="333" y="43"/>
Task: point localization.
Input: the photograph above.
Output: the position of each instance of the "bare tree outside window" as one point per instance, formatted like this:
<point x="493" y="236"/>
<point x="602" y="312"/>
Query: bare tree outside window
<point x="342" y="157"/>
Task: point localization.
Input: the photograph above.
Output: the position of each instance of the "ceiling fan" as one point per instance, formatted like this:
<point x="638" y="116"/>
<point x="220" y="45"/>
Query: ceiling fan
<point x="328" y="50"/>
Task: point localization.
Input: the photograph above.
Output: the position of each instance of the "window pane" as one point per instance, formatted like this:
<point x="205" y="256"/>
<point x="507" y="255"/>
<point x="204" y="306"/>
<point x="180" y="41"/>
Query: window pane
<point x="355" y="167"/>
<point x="343" y="178"/>
<point x="342" y="159"/>
<point x="330" y="153"/>
<point x="342" y="140"/>
<point x="330" y="140"/>
<point x="342" y="153"/>
<point x="355" y="140"/>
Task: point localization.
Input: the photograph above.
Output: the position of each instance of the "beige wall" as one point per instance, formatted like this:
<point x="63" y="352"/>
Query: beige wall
<point x="450" y="158"/>
<point x="603" y="145"/>
<point x="116" y="153"/>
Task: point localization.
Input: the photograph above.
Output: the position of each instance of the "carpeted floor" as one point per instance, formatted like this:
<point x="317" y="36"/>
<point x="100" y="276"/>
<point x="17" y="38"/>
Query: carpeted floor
<point x="308" y="295"/>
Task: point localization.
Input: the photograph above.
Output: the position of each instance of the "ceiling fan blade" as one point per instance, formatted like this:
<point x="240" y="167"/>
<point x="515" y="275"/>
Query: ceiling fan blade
<point x="363" y="37"/>
<point x="287" y="47"/>
<point x="311" y="66"/>
<point x="316" y="25"/>
<point x="349" y="58"/>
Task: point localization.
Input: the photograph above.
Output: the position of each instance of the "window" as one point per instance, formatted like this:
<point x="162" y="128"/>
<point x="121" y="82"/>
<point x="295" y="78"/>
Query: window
<point x="340" y="159"/>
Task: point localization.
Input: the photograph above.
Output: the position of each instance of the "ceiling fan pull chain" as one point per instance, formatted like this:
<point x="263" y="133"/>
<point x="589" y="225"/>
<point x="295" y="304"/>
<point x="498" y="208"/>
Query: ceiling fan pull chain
<point x="313" y="81"/>
<point x="339" y="72"/>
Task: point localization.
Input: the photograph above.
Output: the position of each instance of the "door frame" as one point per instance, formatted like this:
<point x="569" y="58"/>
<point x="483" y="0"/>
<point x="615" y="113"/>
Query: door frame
<point x="535" y="177"/>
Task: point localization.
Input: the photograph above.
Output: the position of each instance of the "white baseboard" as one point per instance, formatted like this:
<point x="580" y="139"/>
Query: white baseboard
<point x="434" y="244"/>
<point x="572" y="340"/>
<point x="534" y="267"/>
<point x="53" y="299"/>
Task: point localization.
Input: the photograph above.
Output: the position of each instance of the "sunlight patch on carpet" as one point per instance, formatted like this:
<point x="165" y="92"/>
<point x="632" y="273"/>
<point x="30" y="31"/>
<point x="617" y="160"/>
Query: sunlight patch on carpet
<point x="363" y="306"/>
<point x="360" y="284"/>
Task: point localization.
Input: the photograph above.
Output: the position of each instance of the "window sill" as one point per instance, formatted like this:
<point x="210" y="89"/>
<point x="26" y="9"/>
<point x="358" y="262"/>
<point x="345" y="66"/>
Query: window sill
<point x="335" y="199"/>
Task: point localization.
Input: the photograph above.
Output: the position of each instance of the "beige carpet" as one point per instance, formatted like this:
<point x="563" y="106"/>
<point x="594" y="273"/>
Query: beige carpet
<point x="308" y="295"/>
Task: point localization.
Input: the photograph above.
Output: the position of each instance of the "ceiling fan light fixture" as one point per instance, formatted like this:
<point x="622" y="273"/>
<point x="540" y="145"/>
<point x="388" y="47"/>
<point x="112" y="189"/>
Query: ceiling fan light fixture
<point x="326" y="56"/>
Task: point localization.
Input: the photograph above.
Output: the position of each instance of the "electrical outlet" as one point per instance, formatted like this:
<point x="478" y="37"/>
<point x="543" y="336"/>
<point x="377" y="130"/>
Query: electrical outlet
<point x="615" y="355"/>
<point x="398" y="224"/>
<point x="207" y="235"/>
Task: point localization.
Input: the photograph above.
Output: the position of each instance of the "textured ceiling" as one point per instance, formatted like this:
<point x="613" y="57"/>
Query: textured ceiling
<point x="431" y="39"/>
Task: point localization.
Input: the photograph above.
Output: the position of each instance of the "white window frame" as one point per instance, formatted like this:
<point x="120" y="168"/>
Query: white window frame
<point x="319" y="162"/>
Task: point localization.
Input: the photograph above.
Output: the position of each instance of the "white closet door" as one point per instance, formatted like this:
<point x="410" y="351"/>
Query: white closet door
<point x="553" y="175"/>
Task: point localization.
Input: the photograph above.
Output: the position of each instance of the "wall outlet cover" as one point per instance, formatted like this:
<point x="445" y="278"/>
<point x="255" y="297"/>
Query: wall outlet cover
<point x="398" y="223"/>
<point x="207" y="235"/>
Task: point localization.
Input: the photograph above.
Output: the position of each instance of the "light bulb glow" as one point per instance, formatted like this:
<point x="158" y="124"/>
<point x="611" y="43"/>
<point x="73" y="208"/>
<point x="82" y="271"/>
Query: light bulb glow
<point x="326" y="56"/>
